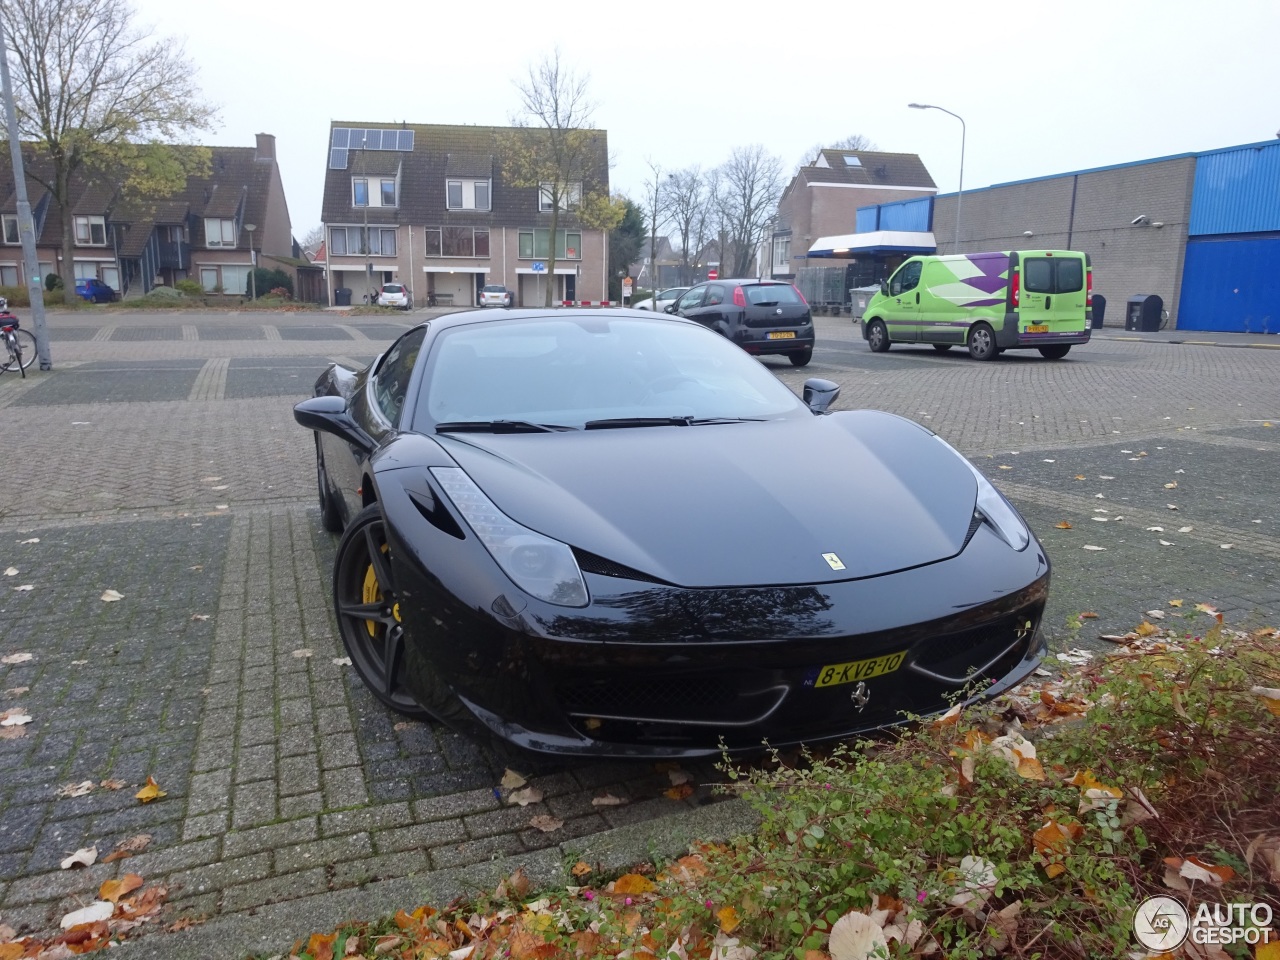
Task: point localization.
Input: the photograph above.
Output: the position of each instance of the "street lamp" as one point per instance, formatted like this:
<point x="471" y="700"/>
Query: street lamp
<point x="253" y="280"/>
<point x="960" y="190"/>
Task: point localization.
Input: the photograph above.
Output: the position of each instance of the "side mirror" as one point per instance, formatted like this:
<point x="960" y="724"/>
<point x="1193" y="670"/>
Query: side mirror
<point x="330" y="415"/>
<point x="669" y="308"/>
<point x="820" y="394"/>
<point x="884" y="288"/>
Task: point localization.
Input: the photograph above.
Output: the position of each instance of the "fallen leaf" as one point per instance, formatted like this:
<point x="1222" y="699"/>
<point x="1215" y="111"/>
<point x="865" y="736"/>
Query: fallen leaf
<point x="113" y="784"/>
<point x="525" y="797"/>
<point x="222" y="486"/>
<point x="32" y="540"/>
<point x="98" y="910"/>
<point x="1206" y="608"/>
<point x="728" y="918"/>
<point x="1155" y="614"/>
<point x="855" y="936"/>
<point x="630" y="884"/>
<point x="1270" y="698"/>
<point x="11" y="571"/>
<point x="341" y="661"/>
<point x="1165" y="543"/>
<point x="1155" y="529"/>
<point x="1146" y="629"/>
<point x="84" y="857"/>
<point x="1195" y="869"/>
<point x="76" y="789"/>
<point x="16" y="658"/>
<point x="78" y="663"/>
<point x="580" y="869"/>
<point x="16" y="691"/>
<point x="13" y="733"/>
<point x="1088" y="615"/>
<point x="304" y="652"/>
<point x="1005" y="467"/>
<point x="1029" y="768"/>
<point x="1081" y="476"/>
<point x="512" y="780"/>
<point x="14" y="717"/>
<point x="1062" y="525"/>
<point x="1090" y="546"/>
<point x="607" y="800"/>
<point x="24" y="588"/>
<point x="113" y="890"/>
<point x="1171" y="485"/>
<point x="1225" y="546"/>
<point x="210" y="479"/>
<point x="678" y="777"/>
<point x="128" y="847"/>
<point x="1172" y="506"/>
<point x="679" y="792"/>
<point x="1175" y="603"/>
<point x="1105" y="477"/>
<point x="150" y="792"/>
<point x="1185" y="529"/>
<point x="200" y="616"/>
<point x="111" y="596"/>
<point x="546" y="823"/>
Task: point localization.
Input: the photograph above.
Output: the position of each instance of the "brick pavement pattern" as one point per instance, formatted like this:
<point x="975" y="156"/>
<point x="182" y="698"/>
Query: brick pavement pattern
<point x="162" y="461"/>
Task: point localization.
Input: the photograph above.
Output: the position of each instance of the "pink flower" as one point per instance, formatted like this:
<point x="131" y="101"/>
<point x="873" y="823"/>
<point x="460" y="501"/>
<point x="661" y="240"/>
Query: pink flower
<point x="627" y="901"/>
<point x="708" y="904"/>
<point x="827" y="786"/>
<point x="589" y="894"/>
<point x="920" y="897"/>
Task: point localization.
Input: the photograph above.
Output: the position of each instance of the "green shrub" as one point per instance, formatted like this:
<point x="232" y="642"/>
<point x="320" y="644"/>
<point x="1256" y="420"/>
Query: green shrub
<point x="165" y="293"/>
<point x="17" y="296"/>
<point x="52" y="281"/>
<point x="265" y="280"/>
<point x="189" y="287"/>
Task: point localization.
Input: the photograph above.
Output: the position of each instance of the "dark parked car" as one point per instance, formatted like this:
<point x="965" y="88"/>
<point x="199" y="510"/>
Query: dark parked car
<point x="94" y="290"/>
<point x="602" y="533"/>
<point x="761" y="316"/>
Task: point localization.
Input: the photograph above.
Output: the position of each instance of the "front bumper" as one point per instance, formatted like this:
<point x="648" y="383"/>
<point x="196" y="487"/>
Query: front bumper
<point x="653" y="670"/>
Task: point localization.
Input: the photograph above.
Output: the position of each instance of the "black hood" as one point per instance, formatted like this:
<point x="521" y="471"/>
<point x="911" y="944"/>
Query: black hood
<point x="736" y="504"/>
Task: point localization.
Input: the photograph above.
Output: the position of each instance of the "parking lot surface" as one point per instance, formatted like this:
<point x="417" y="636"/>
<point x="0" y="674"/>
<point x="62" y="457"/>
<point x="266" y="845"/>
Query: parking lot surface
<point x="160" y="460"/>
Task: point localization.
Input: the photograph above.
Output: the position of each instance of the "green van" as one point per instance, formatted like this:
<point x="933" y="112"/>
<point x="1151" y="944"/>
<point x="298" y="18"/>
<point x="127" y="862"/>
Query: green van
<point x="989" y="302"/>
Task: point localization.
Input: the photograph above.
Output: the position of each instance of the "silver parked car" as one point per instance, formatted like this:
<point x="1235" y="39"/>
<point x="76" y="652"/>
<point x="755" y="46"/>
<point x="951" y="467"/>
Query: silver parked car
<point x="395" y="295"/>
<point x="660" y="303"/>
<point x="496" y="295"/>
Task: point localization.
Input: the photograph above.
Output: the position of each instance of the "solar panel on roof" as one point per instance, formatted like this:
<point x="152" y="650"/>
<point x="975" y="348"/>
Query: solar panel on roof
<point x="338" y="158"/>
<point x="406" y="140"/>
<point x="340" y="135"/>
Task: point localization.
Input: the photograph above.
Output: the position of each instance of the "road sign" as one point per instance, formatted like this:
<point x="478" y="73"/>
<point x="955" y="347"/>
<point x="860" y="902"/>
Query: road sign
<point x="713" y="274"/>
<point x="538" y="267"/>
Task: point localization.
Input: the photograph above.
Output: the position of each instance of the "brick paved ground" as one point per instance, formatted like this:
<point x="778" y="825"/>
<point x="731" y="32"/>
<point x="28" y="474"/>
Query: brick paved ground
<point x="160" y="459"/>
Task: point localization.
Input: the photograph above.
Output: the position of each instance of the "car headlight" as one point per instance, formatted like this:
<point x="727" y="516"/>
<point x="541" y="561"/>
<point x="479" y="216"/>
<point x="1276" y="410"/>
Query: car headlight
<point x="538" y="565"/>
<point x="995" y="509"/>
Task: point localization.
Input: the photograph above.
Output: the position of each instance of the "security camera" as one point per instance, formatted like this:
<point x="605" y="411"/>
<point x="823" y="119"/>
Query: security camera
<point x="1138" y="220"/>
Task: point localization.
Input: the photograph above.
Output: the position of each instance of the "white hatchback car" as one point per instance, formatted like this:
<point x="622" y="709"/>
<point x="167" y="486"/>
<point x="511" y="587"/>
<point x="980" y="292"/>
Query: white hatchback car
<point x="495" y="295"/>
<point x="661" y="301"/>
<point x="395" y="295"/>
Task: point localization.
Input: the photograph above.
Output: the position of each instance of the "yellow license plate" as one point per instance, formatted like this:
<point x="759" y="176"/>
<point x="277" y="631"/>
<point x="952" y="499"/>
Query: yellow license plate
<point x="1038" y="328"/>
<point x="837" y="673"/>
<point x="782" y="335"/>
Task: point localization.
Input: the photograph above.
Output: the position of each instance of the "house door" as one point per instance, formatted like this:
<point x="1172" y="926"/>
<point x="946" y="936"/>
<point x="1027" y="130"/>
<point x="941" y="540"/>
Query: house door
<point x="111" y="277"/>
<point x="570" y="287"/>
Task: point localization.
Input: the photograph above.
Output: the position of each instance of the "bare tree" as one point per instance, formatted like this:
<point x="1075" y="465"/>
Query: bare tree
<point x="686" y="202"/>
<point x="96" y="93"/>
<point x="855" y="141"/>
<point x="752" y="183"/>
<point x="313" y="238"/>
<point x="557" y="153"/>
<point x="656" y="212"/>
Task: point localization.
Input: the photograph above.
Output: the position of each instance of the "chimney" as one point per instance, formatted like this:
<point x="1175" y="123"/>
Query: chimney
<point x="266" y="147"/>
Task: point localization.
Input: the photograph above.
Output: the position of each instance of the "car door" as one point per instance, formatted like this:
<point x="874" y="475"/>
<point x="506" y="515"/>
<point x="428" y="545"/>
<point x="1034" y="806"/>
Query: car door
<point x="903" y="315"/>
<point x="689" y="304"/>
<point x="376" y="406"/>
<point x="941" y="321"/>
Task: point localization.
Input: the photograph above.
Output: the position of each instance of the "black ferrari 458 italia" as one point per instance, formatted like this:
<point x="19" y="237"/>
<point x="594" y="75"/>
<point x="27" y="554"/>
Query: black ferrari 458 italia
<point x="616" y="534"/>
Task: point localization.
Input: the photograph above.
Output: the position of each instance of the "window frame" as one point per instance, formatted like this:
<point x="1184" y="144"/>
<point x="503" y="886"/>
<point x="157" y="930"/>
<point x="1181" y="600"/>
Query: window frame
<point x="359" y="184"/>
<point x="5" y="221"/>
<point x="3" y="281"/>
<point x="434" y="245"/>
<point x="222" y="241"/>
<point x="540" y="243"/>
<point x="89" y="222"/>
<point x="570" y="199"/>
<point x="466" y="194"/>
<point x="383" y="184"/>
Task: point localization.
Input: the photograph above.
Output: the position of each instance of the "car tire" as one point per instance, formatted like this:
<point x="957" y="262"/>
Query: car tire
<point x="801" y="359"/>
<point x="1055" y="351"/>
<point x="942" y="347"/>
<point x="330" y="515"/>
<point x="367" y="607"/>
<point x="982" y="342"/>
<point x="877" y="336"/>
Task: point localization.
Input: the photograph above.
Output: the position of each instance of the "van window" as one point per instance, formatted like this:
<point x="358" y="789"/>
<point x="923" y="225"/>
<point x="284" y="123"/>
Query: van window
<point x="1045" y="275"/>
<point x="905" y="279"/>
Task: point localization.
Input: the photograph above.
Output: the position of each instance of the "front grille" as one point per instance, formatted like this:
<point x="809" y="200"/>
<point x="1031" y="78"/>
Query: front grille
<point x="958" y="656"/>
<point x="703" y="699"/>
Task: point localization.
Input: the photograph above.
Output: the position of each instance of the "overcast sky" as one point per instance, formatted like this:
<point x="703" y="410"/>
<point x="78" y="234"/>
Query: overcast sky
<point x="1043" y="88"/>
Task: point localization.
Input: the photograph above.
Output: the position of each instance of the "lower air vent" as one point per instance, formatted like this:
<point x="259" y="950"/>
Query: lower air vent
<point x="590" y="563"/>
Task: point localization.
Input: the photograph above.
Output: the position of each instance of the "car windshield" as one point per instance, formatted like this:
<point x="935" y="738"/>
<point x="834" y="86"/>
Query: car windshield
<point x="393" y="288"/>
<point x="768" y="294"/>
<point x="571" y="371"/>
<point x="672" y="293"/>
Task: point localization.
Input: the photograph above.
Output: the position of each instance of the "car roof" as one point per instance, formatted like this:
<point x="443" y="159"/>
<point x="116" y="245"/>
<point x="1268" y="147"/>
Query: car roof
<point x="744" y="281"/>
<point x="468" y="317"/>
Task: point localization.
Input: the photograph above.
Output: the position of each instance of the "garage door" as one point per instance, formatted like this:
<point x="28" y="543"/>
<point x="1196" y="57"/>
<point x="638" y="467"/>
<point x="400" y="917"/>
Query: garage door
<point x="1231" y="285"/>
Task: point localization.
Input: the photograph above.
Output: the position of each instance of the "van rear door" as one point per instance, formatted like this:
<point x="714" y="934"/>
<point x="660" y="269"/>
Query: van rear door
<point x="1053" y="292"/>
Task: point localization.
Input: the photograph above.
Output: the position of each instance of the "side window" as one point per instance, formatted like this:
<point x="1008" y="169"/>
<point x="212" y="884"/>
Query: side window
<point x="905" y="279"/>
<point x="715" y="295"/>
<point x="691" y="299"/>
<point x="1070" y="275"/>
<point x="391" y="381"/>
<point x="1037" y="275"/>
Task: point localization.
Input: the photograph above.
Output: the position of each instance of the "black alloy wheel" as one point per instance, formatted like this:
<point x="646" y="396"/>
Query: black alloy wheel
<point x="982" y="342"/>
<point x="330" y="516"/>
<point x="877" y="336"/>
<point x="368" y="610"/>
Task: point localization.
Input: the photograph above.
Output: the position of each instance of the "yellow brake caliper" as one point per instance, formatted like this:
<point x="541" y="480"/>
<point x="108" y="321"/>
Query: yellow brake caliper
<point x="373" y="594"/>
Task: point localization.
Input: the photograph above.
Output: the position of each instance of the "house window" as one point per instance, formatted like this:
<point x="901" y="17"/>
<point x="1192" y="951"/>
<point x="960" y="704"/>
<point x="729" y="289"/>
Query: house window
<point x="219" y="233"/>
<point x="467" y="194"/>
<point x="536" y="244"/>
<point x="570" y="196"/>
<point x="781" y="252"/>
<point x="8" y="274"/>
<point x="235" y="280"/>
<point x="11" y="234"/>
<point x="209" y="279"/>
<point x="85" y="270"/>
<point x="455" y="241"/>
<point x="177" y="234"/>
<point x="388" y="193"/>
<point x="351" y="241"/>
<point x="359" y="193"/>
<point x="91" y="231"/>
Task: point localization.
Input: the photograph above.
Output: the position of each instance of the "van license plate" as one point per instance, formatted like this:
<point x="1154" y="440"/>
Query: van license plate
<point x="1038" y="328"/>
<point x="837" y="673"/>
<point x="783" y="335"/>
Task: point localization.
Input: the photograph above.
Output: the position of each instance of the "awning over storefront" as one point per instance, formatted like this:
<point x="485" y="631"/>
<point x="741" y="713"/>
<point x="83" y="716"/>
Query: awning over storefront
<point x="872" y="243"/>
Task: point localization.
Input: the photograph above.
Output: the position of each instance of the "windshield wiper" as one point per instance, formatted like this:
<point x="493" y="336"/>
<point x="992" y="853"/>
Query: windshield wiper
<point x="662" y="422"/>
<point x="498" y="426"/>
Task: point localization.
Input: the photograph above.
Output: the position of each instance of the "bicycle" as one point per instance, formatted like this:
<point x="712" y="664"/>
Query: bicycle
<point x="20" y="345"/>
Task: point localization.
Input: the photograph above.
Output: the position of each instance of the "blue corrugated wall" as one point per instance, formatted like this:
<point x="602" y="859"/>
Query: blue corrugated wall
<point x="1237" y="190"/>
<point x="913" y="215"/>
<point x="1231" y="284"/>
<point x="867" y="220"/>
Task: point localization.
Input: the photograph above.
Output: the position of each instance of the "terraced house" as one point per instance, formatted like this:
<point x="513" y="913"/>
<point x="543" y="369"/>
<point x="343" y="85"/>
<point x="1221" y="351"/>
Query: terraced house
<point x="210" y="231"/>
<point x="435" y="207"/>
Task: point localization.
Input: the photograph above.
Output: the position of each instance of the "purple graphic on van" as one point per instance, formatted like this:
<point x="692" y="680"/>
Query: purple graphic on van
<point x="990" y="281"/>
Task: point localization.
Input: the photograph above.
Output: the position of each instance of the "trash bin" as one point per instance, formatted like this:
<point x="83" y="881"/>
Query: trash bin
<point x="342" y="297"/>
<point x="1099" y="308"/>
<point x="1144" y="313"/>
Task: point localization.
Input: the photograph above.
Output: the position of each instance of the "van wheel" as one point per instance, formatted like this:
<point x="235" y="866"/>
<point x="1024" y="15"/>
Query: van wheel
<point x="942" y="347"/>
<point x="877" y="336"/>
<point x="982" y="342"/>
<point x="1055" y="352"/>
<point x="801" y="359"/>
